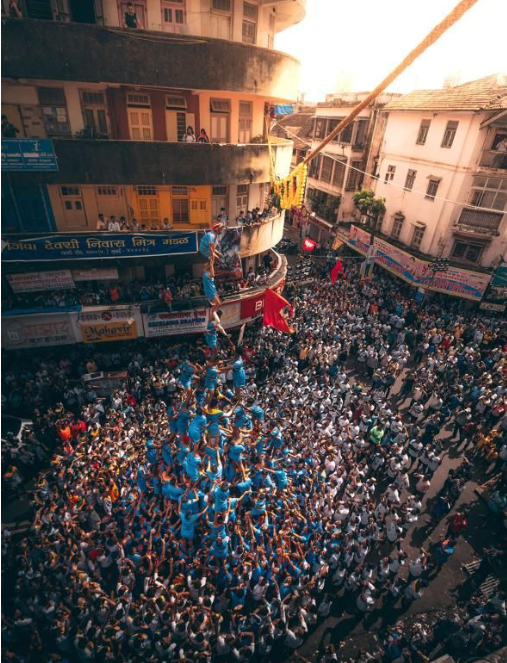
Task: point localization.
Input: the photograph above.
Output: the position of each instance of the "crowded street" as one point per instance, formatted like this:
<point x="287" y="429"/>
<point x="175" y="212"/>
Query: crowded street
<point x="313" y="495"/>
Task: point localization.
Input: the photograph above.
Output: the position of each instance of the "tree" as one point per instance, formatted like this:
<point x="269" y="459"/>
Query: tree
<point x="367" y="204"/>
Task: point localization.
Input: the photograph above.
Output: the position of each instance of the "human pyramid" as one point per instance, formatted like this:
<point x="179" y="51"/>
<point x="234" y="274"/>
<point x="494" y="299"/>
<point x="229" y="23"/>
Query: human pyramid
<point x="188" y="519"/>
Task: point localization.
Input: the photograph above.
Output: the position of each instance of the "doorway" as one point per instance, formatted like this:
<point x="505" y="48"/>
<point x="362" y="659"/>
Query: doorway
<point x="73" y="208"/>
<point x="82" y="11"/>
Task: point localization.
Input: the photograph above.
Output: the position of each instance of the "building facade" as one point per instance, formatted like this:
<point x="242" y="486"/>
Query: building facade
<point x="117" y="104"/>
<point x="335" y="175"/>
<point x="442" y="168"/>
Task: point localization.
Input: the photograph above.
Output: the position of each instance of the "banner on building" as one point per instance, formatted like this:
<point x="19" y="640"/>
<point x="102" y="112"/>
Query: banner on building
<point x="454" y="281"/>
<point x="102" y="245"/>
<point x="229" y="250"/>
<point x="39" y="331"/>
<point x="40" y="281"/>
<point x="252" y="307"/>
<point x="492" y="306"/>
<point x="103" y="332"/>
<point x="337" y="242"/>
<point x="231" y="314"/>
<point x="96" y="274"/>
<point x="28" y="155"/>
<point x="171" y="323"/>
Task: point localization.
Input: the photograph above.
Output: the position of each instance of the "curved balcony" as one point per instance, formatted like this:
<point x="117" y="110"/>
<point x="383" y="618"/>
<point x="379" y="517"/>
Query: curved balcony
<point x="51" y="50"/>
<point x="288" y="12"/>
<point x="260" y="238"/>
<point x="152" y="163"/>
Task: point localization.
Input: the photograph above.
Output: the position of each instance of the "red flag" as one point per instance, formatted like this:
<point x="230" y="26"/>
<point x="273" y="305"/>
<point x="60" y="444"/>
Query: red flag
<point x="273" y="307"/>
<point x="309" y="244"/>
<point x="337" y="269"/>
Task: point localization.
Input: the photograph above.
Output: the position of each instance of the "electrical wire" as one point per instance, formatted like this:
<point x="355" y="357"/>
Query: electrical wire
<point x="399" y="186"/>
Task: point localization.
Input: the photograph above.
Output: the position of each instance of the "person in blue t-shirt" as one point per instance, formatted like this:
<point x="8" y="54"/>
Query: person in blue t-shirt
<point x="187" y="374"/>
<point x="211" y="334"/>
<point x="197" y="426"/>
<point x="209" y="287"/>
<point x="207" y="245"/>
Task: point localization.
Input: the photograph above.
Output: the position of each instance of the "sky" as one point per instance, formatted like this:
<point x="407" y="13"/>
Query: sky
<point x="350" y="45"/>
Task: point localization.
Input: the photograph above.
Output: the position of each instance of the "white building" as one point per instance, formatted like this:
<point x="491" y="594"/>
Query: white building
<point x="337" y="172"/>
<point x="442" y="168"/>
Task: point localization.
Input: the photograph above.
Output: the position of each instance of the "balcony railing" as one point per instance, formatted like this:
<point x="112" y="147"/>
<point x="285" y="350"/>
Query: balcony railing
<point x="132" y="57"/>
<point x="480" y="220"/>
<point x="494" y="159"/>
<point x="82" y="161"/>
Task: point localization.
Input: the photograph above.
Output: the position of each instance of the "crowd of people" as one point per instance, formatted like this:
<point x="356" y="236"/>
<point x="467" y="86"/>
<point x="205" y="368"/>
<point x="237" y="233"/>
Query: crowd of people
<point x="227" y="498"/>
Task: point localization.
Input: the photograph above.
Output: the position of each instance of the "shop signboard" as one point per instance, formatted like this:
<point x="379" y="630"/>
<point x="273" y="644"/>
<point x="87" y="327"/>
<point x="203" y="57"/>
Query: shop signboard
<point x="67" y="246"/>
<point x="39" y="331"/>
<point x="40" y="281"/>
<point x="171" y="323"/>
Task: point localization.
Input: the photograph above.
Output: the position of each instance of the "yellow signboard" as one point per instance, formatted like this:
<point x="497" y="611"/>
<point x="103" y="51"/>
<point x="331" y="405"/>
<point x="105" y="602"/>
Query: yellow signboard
<point x="336" y="244"/>
<point x="102" y="332"/>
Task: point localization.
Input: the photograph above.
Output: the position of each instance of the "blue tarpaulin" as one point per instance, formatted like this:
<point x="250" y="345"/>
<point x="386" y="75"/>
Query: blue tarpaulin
<point x="284" y="109"/>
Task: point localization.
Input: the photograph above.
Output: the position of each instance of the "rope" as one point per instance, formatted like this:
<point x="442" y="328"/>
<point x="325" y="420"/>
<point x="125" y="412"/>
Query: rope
<point x="430" y="39"/>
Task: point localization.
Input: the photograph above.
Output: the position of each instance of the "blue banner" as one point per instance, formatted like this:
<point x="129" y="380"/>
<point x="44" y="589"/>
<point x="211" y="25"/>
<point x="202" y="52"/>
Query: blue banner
<point x="102" y="245"/>
<point x="28" y="155"/>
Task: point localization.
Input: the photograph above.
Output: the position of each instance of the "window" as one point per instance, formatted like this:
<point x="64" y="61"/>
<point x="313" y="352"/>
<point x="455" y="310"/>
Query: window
<point x="326" y="170"/>
<point x="423" y="132"/>
<point x="173" y="13"/>
<point x="397" y="226"/>
<point x="320" y="127"/>
<point x="489" y="192"/>
<point x="147" y="190"/>
<point x="107" y="191"/>
<point x="417" y="236"/>
<point x="180" y="210"/>
<point x="142" y="100"/>
<point x="450" y="133"/>
<point x="410" y="179"/>
<point x="361" y="127"/>
<point x="249" y="27"/>
<point x="333" y="124"/>
<point x="179" y="191"/>
<point x="481" y="220"/>
<point x="389" y="174"/>
<point x="346" y="135"/>
<point x="220" y="106"/>
<point x="222" y="5"/>
<point x="219" y="191"/>
<point x="70" y="191"/>
<point x="54" y="111"/>
<point x="174" y="102"/>
<point x="339" y="173"/>
<point x="432" y="189"/>
<point x="94" y="112"/>
<point x="245" y="122"/>
<point x="92" y="98"/>
<point x="467" y="251"/>
<point x="355" y="176"/>
<point x="241" y="198"/>
<point x="314" y="168"/>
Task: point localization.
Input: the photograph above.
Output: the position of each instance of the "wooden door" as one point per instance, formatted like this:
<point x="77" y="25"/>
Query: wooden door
<point x="140" y="123"/>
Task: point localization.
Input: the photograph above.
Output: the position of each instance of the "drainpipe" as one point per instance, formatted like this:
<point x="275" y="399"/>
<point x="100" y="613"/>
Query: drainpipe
<point x="437" y="224"/>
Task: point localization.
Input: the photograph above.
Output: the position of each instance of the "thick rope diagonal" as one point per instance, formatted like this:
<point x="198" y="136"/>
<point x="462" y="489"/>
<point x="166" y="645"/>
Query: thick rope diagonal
<point x="430" y="39"/>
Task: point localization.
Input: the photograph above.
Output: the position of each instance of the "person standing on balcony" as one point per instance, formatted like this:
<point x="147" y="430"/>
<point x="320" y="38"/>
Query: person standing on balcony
<point x="203" y="137"/>
<point x="101" y="223"/>
<point x="500" y="160"/>
<point x="14" y="10"/>
<point x="222" y="217"/>
<point x="189" y="135"/>
<point x="131" y="19"/>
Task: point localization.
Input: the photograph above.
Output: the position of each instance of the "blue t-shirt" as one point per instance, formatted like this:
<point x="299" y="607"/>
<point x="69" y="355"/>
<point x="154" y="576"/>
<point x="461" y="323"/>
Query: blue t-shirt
<point x="211" y="335"/>
<point x="208" y="284"/>
<point x="207" y="240"/>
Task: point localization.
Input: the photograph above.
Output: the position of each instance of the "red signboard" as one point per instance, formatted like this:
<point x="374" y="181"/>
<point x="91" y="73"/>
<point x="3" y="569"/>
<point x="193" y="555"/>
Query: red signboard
<point x="309" y="244"/>
<point x="253" y="307"/>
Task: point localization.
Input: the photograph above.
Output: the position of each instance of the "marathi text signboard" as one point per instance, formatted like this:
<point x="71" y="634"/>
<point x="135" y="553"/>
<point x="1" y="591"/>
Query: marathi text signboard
<point x="39" y="281"/>
<point x="38" y="331"/>
<point x="171" y="323"/>
<point x="102" y="245"/>
<point x="28" y="155"/>
<point x="454" y="281"/>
